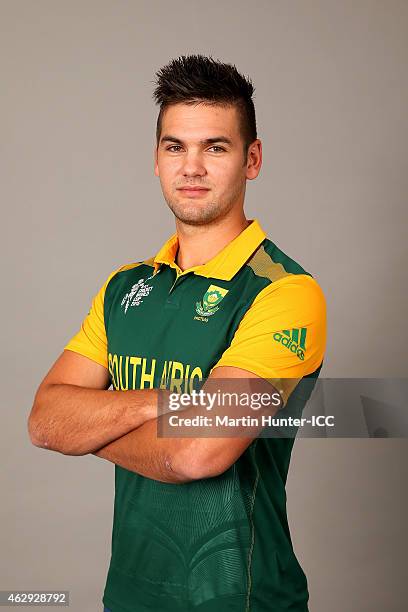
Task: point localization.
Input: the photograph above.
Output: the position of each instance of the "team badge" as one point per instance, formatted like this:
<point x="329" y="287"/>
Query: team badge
<point x="210" y="302"/>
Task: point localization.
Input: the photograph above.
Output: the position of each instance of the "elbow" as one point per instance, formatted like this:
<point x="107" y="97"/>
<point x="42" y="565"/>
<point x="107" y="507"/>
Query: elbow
<point x="34" y="432"/>
<point x="39" y="434"/>
<point x="35" y="440"/>
<point x="196" y="468"/>
<point x="34" y="425"/>
<point x="176" y="472"/>
<point x="202" y="470"/>
<point x="36" y="437"/>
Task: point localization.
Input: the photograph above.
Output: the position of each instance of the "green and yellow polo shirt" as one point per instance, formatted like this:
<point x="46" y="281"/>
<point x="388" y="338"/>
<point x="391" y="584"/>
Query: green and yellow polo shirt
<point x="220" y="543"/>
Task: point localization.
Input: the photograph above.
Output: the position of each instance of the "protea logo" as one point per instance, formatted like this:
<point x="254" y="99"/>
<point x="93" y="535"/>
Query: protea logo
<point x="209" y="304"/>
<point x="293" y="339"/>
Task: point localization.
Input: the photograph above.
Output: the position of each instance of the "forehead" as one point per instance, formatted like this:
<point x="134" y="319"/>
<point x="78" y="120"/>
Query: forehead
<point x="200" y="121"/>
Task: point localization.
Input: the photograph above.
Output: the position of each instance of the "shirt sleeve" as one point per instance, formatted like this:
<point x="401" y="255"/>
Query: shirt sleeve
<point x="91" y="340"/>
<point x="282" y="336"/>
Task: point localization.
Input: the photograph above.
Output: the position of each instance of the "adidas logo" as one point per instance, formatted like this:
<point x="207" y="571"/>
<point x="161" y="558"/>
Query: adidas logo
<point x="293" y="339"/>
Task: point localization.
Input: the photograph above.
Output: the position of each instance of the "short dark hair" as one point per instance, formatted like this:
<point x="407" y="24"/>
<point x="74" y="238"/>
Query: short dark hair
<point x="192" y="79"/>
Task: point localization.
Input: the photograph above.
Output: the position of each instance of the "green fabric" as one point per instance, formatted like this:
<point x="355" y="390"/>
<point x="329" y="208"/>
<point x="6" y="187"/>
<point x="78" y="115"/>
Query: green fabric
<point x="215" y="544"/>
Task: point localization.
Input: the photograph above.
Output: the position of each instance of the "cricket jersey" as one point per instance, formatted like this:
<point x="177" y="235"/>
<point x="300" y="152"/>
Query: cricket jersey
<point x="220" y="543"/>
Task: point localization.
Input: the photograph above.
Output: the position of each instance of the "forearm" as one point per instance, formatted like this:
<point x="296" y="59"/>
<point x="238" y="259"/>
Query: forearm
<point x="168" y="459"/>
<point x="76" y="420"/>
<point x="141" y="451"/>
<point x="177" y="460"/>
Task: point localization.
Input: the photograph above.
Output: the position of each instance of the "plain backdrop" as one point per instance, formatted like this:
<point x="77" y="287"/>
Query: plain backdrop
<point x="79" y="198"/>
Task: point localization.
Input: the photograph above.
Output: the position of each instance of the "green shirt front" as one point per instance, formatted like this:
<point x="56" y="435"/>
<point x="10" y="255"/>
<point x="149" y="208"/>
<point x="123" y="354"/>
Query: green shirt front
<point x="220" y="543"/>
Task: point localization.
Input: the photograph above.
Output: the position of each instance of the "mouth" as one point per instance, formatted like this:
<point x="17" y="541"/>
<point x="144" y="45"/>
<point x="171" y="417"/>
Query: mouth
<point x="192" y="191"/>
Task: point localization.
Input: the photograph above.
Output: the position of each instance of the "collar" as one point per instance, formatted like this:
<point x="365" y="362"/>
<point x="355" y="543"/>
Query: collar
<point x="226" y="263"/>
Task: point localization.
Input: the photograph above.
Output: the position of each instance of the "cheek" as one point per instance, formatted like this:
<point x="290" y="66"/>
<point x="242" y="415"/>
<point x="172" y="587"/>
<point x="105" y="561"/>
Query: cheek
<point x="166" y="173"/>
<point x="227" y="175"/>
<point x="169" y="169"/>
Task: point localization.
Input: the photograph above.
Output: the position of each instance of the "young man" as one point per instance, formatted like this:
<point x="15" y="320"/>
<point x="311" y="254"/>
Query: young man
<point x="199" y="522"/>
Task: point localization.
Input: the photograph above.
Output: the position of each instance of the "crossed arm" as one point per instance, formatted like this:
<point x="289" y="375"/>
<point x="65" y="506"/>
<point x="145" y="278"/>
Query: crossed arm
<point x="75" y="414"/>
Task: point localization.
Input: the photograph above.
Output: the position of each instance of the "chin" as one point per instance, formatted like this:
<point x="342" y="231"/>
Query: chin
<point x="195" y="215"/>
<point x="193" y="219"/>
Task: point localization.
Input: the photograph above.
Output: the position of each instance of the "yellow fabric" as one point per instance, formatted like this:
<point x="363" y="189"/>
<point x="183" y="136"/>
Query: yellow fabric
<point x="227" y="262"/>
<point x="293" y="302"/>
<point x="91" y="340"/>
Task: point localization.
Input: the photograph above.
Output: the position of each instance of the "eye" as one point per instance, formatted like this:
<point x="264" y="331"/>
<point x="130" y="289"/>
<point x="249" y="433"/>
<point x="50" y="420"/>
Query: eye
<point x="217" y="147"/>
<point x="173" y="148"/>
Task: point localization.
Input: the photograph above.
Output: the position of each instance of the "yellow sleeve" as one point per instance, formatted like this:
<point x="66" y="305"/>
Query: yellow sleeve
<point x="282" y="336"/>
<point x="91" y="339"/>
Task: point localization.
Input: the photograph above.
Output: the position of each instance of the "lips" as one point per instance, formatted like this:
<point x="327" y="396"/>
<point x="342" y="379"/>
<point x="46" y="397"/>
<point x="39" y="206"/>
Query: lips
<point x="193" y="192"/>
<point x="193" y="188"/>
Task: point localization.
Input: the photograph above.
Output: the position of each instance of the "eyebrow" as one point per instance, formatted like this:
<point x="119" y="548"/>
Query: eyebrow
<point x="206" y="141"/>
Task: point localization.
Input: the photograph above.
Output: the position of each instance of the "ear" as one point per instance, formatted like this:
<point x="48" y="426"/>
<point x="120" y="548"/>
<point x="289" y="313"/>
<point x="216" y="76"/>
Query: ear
<point x="156" y="165"/>
<point x="254" y="159"/>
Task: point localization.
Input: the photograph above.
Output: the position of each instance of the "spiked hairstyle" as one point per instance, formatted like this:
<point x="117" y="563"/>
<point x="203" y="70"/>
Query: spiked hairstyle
<point x="193" y="79"/>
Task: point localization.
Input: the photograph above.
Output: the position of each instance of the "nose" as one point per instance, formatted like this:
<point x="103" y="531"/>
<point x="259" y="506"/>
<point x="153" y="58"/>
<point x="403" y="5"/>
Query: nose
<point x="193" y="164"/>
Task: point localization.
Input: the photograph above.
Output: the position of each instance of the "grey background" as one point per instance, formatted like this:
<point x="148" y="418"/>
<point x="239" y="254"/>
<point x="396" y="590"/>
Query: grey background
<point x="79" y="198"/>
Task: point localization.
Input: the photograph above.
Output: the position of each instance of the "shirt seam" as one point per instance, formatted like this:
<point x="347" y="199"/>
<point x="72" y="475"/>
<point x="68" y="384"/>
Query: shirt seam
<point x="251" y="549"/>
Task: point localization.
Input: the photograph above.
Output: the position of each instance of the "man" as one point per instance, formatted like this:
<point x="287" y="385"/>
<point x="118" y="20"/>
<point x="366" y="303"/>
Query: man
<point x="199" y="522"/>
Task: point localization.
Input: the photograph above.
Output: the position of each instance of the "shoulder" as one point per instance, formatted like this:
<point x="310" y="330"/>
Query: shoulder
<point x="128" y="271"/>
<point x="270" y="262"/>
<point x="281" y="274"/>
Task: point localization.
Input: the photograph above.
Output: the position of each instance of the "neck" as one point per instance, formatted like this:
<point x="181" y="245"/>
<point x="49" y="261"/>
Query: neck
<point x="199" y="244"/>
